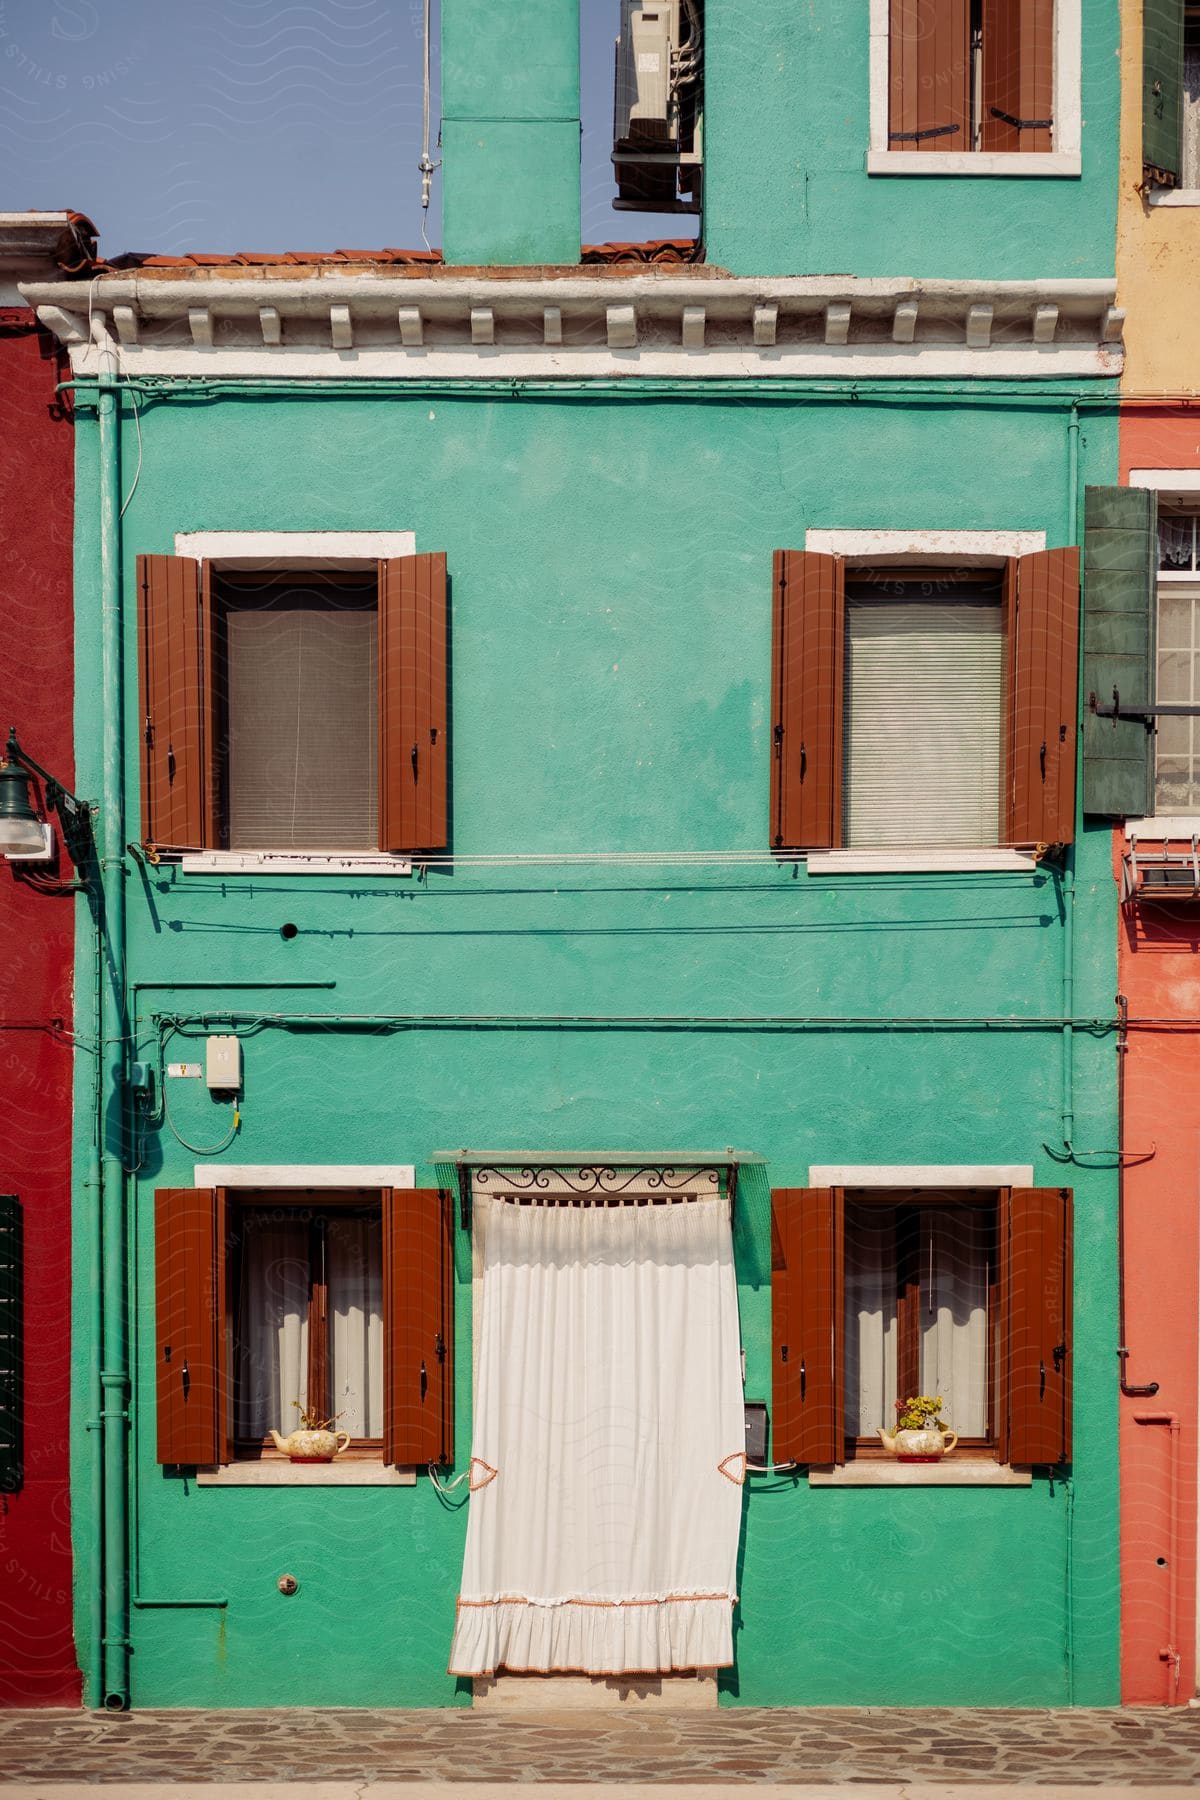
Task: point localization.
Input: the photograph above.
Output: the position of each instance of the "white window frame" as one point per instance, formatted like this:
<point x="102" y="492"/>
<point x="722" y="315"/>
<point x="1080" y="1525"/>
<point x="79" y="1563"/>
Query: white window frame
<point x="1066" y="157"/>
<point x="300" y="550"/>
<point x="879" y="548"/>
<point x="1163" y="827"/>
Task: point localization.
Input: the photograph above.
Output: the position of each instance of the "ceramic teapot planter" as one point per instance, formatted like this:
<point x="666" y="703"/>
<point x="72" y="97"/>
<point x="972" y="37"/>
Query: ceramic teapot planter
<point x="312" y="1446"/>
<point x="920" y="1435"/>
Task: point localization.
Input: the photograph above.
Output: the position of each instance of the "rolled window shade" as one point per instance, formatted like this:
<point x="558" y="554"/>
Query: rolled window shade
<point x="302" y="716"/>
<point x="923" y="721"/>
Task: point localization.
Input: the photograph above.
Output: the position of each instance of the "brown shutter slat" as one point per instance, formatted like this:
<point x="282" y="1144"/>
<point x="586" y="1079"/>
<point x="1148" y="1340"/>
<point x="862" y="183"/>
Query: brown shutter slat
<point x="1018" y="74"/>
<point x="413" y="701"/>
<point x="418" y="1331"/>
<point x="1043" y="626"/>
<point x="1035" y="1333"/>
<point x="929" y="70"/>
<point x="806" y="1330"/>
<point x="173" y="650"/>
<point x="807" y="652"/>
<point x="189" y="1246"/>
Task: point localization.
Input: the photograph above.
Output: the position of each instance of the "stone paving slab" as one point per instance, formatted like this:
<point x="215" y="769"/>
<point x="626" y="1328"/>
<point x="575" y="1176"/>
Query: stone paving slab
<point x="552" y="1790"/>
<point x="730" y="1747"/>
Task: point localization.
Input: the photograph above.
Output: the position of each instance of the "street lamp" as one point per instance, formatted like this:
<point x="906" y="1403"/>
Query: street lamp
<point x="22" y="832"/>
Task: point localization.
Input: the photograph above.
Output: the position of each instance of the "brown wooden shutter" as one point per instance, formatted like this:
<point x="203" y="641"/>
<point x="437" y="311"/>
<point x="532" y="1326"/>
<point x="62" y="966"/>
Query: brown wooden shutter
<point x="176" y="692"/>
<point x="1162" y="91"/>
<point x="1043" y="656"/>
<point x="807" y="1327"/>
<point x="1034" y="1374"/>
<point x="929" y="69"/>
<point x="418" y="1330"/>
<point x="189" y="1245"/>
<point x="1018" y="74"/>
<point x="414" y="746"/>
<point x="807" y="652"/>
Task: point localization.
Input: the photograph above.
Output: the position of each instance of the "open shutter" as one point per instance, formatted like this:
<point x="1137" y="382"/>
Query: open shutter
<point x="1035" y="1328"/>
<point x="1162" y="91"/>
<point x="929" y="72"/>
<point x="1120" y="579"/>
<point x="1018" y="74"/>
<point x="807" y="650"/>
<point x="1043" y="628"/>
<point x="418" y="1330"/>
<point x="189" y="1246"/>
<point x="174" y="662"/>
<point x="806" y="1331"/>
<point x="413" y="741"/>
<point x="11" y="1449"/>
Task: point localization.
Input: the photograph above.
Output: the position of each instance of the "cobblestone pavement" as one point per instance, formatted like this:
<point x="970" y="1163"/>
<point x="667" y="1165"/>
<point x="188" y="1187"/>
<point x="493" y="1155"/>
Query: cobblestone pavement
<point x="729" y="1747"/>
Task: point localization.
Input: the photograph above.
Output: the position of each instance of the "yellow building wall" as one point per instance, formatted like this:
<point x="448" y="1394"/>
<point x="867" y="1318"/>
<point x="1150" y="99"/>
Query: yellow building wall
<point x="1158" y="254"/>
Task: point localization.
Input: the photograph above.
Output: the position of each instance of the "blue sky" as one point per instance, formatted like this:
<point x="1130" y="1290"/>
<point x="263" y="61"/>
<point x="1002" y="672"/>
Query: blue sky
<point x="223" y="125"/>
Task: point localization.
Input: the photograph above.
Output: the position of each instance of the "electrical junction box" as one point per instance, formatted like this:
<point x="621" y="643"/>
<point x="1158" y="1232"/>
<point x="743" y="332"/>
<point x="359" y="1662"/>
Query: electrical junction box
<point x="223" y="1064"/>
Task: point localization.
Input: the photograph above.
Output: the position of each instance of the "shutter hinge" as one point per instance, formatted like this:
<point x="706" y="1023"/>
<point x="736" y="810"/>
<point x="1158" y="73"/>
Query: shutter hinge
<point x="439" y="1347"/>
<point x="778" y="739"/>
<point x="1023" y="124"/>
<point x="915" y="137"/>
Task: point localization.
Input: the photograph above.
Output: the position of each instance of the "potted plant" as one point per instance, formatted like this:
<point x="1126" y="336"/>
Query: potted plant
<point x="921" y="1434"/>
<point x="315" y="1440"/>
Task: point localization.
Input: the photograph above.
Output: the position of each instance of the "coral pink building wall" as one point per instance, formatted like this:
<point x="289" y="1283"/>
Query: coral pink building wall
<point x="1159" y="971"/>
<point x="37" y="1658"/>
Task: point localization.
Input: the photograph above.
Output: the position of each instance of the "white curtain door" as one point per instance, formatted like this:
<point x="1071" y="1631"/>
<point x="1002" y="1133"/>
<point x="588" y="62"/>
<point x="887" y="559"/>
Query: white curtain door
<point x="272" y="1334"/>
<point x="953" y="1278"/>
<point x="870" y="1335"/>
<point x="608" y="1442"/>
<point x="923" y="685"/>
<point x="354" y="1278"/>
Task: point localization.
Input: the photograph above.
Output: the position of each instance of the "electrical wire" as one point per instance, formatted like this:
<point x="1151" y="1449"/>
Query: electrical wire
<point x="448" y="1489"/>
<point x="198" y="1149"/>
<point x="427" y="166"/>
<point x="137" y="473"/>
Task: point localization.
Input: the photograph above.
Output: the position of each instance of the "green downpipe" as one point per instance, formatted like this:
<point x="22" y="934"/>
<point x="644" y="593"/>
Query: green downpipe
<point x="114" y="1369"/>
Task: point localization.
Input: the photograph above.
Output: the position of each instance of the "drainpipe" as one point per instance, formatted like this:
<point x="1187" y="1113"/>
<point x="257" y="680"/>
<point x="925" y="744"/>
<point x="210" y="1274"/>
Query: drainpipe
<point x="1170" y="1653"/>
<point x="1068" y="877"/>
<point x="114" y="1368"/>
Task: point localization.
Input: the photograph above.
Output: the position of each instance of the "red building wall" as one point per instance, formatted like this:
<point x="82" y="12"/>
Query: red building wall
<point x="37" y="1658"/>
<point x="1159" y="972"/>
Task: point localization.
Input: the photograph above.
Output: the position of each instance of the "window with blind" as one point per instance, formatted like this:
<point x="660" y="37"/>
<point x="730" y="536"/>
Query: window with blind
<point x="879" y="1294"/>
<point x="971" y="75"/>
<point x="292" y="711"/>
<point x="924" y="681"/>
<point x="918" y="708"/>
<point x="1177" y="740"/>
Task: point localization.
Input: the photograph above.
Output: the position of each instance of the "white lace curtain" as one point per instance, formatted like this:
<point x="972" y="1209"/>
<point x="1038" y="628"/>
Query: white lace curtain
<point x="608" y="1443"/>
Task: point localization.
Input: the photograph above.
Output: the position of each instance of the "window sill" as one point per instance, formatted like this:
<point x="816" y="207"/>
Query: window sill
<point x="918" y="862"/>
<point x="277" y="1472"/>
<point x="270" y="862"/>
<point x="1174" y="197"/>
<point x="951" y="1473"/>
<point x="1167" y="826"/>
<point x="974" y="162"/>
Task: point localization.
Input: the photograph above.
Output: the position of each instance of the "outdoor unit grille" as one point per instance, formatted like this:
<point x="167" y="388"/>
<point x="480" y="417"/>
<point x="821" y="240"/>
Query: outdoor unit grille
<point x="658" y="106"/>
<point x="1168" y="872"/>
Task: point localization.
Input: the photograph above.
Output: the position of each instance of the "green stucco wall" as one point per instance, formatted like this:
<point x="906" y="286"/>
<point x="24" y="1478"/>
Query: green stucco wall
<point x="786" y="129"/>
<point x="510" y="131"/>
<point x="611" y="600"/>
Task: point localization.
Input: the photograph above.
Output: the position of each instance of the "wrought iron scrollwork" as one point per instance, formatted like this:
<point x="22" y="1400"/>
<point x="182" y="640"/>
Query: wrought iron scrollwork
<point x="599" y="1180"/>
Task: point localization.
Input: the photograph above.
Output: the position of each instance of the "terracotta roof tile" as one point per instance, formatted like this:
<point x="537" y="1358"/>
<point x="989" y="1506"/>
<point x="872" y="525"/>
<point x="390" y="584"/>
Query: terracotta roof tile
<point x="658" y="252"/>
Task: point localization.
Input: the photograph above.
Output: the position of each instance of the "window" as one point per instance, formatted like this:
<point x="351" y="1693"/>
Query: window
<point x="1171" y="95"/>
<point x="306" y="1315"/>
<point x="294" y="710"/>
<point x="923" y="707"/>
<point x="340" y="1300"/>
<point x="971" y="75"/>
<point x="920" y="1282"/>
<point x="1177" y="740"/>
<point x="877" y="1294"/>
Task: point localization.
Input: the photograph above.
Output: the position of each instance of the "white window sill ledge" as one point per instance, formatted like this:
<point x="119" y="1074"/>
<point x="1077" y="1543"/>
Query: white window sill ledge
<point x="272" y="1473"/>
<point x="941" y="1474"/>
<point x="267" y="862"/>
<point x="1174" y="197"/>
<point x="1169" y="825"/>
<point x="974" y="162"/>
<point x="917" y="862"/>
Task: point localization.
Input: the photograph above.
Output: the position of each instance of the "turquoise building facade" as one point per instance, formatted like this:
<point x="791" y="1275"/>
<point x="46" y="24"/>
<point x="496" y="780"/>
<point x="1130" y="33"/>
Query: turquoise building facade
<point x="611" y="948"/>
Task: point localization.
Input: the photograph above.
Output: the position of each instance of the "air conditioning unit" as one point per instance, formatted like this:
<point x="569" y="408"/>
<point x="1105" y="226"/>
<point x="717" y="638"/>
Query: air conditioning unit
<point x="1169" y="872"/>
<point x="659" y="104"/>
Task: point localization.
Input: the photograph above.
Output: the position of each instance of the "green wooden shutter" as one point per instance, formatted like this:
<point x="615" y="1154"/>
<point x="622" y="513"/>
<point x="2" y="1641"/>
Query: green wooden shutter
<point x="1120" y="562"/>
<point x="11" y="1458"/>
<point x="1162" y="90"/>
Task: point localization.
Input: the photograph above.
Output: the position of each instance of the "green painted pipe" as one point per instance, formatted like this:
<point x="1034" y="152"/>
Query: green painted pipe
<point x="114" y="1369"/>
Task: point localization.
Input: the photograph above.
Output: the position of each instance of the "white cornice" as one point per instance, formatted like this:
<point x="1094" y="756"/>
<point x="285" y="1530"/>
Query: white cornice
<point x="345" y="326"/>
